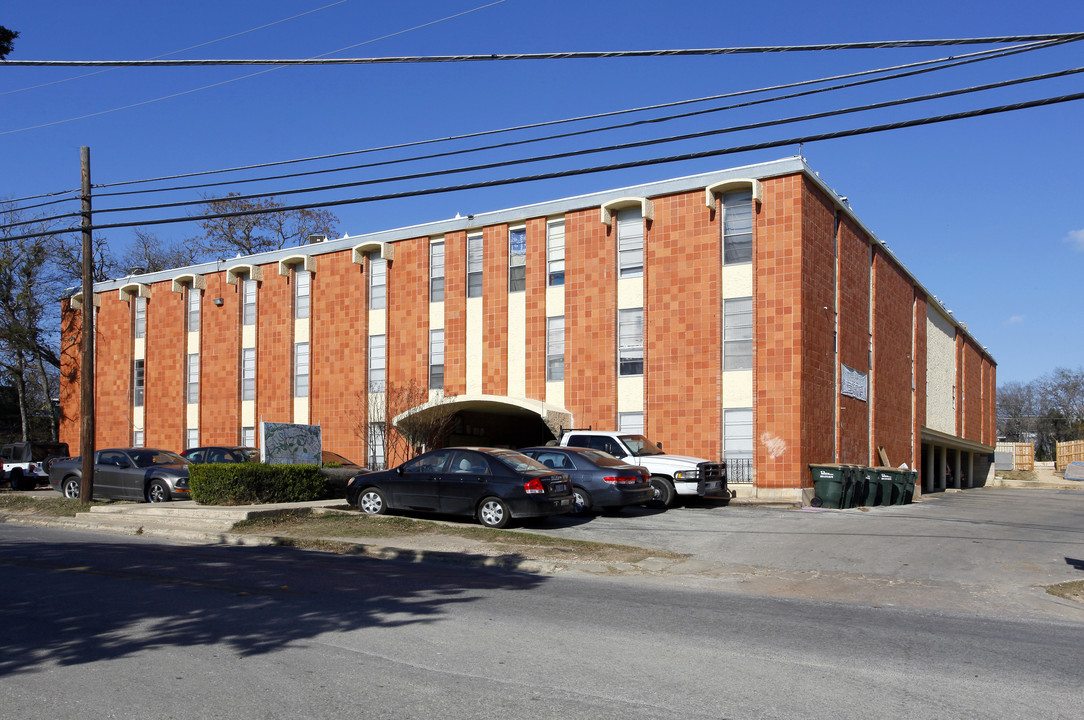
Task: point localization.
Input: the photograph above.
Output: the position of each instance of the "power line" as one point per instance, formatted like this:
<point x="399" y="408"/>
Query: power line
<point x="566" y="135"/>
<point x="595" y="169"/>
<point x="577" y="55"/>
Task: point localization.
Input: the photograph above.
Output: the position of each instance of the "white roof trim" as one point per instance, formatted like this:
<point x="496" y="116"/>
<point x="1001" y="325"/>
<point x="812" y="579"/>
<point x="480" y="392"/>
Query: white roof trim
<point x="254" y="271"/>
<point x="736" y="184"/>
<point x="196" y="281"/>
<point x="387" y="250"/>
<point x="137" y="289"/>
<point x="77" y="300"/>
<point x="307" y="261"/>
<point x="647" y="208"/>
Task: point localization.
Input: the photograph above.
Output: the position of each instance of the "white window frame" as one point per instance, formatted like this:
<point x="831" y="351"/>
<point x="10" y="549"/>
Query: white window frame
<point x="191" y="392"/>
<point x="555" y="348"/>
<point x="137" y="438"/>
<point x="517" y="259"/>
<point x="192" y="438"/>
<point x="736" y="225"/>
<point x="301" y="370"/>
<point x="738" y="434"/>
<point x="139" y="324"/>
<point x="248" y="300"/>
<point x="475" y="264"/>
<point x="139" y="378"/>
<point x="302" y="293"/>
<point x="630" y="242"/>
<point x="378" y="360"/>
<point x="630" y="422"/>
<point x="248" y="374"/>
<point x="376" y="446"/>
<point x="555" y="253"/>
<point x="738" y="334"/>
<point x="436" y="359"/>
<point x="193" y="314"/>
<point x="436" y="271"/>
<point x="248" y="436"/>
<point x="630" y="342"/>
<point x="378" y="282"/>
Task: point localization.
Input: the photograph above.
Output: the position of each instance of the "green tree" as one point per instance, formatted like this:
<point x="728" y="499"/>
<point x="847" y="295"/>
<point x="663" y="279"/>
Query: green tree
<point x="7" y="40"/>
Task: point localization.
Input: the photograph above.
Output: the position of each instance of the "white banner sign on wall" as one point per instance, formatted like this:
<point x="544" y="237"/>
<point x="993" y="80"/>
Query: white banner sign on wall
<point x="853" y="383"/>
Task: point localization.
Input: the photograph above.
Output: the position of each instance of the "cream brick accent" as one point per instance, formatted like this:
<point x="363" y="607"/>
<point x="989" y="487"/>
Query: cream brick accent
<point x="737" y="281"/>
<point x="378" y="322"/>
<point x="555" y="394"/>
<point x="630" y="293"/>
<point x="137" y="418"/>
<point x="301" y="410"/>
<point x="555" y="301"/>
<point x="192" y="343"/>
<point x="630" y="394"/>
<point x="248" y="336"/>
<point x="191" y="416"/>
<point x="248" y="413"/>
<point x="436" y="316"/>
<point x="301" y="330"/>
<point x="139" y="348"/>
<point x="738" y="389"/>
<point x="940" y="372"/>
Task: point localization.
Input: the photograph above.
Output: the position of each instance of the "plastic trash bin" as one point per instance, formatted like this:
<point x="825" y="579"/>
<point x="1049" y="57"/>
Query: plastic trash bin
<point x="886" y="481"/>
<point x="828" y="485"/>
<point x="909" y="488"/>
<point x="870" y="489"/>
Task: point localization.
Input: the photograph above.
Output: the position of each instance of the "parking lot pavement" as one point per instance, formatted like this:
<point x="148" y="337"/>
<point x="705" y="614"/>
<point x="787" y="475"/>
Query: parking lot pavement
<point x="985" y="550"/>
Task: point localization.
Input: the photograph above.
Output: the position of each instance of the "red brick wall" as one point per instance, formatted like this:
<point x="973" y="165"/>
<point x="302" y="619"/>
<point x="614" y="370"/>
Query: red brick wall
<point x="455" y="313"/>
<point x="274" y="348"/>
<point x="777" y="327"/>
<point x="71" y="337"/>
<point x="536" y="309"/>
<point x="853" y="291"/>
<point x="918" y="355"/>
<point x="683" y="327"/>
<point x="495" y="310"/>
<point x="893" y="336"/>
<point x="166" y="349"/>
<point x="989" y="402"/>
<point x="408" y="314"/>
<point x="339" y="354"/>
<point x="817" y="328"/>
<point x="220" y="368"/>
<point x="113" y="373"/>
<point x="972" y="406"/>
<point x="590" y="319"/>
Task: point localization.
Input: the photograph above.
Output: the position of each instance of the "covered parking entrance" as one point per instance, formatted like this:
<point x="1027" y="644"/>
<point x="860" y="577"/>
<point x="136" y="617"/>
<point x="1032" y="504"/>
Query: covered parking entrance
<point x="952" y="463"/>
<point x="487" y="420"/>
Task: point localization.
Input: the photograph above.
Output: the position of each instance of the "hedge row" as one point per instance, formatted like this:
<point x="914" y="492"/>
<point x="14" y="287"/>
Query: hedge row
<point x="255" y="483"/>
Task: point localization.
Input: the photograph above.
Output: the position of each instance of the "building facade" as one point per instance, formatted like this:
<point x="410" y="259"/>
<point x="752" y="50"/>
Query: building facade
<point x="745" y="314"/>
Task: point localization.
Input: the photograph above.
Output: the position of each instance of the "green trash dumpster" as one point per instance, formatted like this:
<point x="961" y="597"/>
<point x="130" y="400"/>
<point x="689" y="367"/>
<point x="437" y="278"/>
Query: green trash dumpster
<point x="911" y="477"/>
<point x="886" y="481"/>
<point x="828" y="485"/>
<point x="868" y="486"/>
<point x="852" y="486"/>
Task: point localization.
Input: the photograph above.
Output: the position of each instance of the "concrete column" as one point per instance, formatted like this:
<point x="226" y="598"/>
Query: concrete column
<point x="956" y="470"/>
<point x="942" y="465"/>
<point x="970" y="470"/>
<point x="928" y="471"/>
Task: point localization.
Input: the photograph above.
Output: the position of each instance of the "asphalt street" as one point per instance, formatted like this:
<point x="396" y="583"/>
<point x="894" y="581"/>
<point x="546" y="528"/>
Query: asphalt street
<point x="108" y="626"/>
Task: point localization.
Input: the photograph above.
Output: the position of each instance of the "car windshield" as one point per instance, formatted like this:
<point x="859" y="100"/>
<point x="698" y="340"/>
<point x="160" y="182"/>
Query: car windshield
<point x="249" y="454"/>
<point x="602" y="459"/>
<point x="640" y="445"/>
<point x="148" y="458"/>
<point x="518" y="461"/>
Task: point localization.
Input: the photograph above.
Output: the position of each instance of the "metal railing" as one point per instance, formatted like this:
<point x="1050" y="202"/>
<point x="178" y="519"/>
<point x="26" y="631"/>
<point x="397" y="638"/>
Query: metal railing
<point x="739" y="470"/>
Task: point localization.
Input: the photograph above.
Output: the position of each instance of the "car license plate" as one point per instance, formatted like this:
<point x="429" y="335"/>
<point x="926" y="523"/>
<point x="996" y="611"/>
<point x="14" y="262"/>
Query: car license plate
<point x="566" y="501"/>
<point x="559" y="487"/>
<point x="713" y="485"/>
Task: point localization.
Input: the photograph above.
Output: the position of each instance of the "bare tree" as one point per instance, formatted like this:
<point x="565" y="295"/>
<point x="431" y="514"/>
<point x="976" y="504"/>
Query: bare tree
<point x="266" y="229"/>
<point x="7" y="41"/>
<point x="149" y="254"/>
<point x="424" y="430"/>
<point x="66" y="253"/>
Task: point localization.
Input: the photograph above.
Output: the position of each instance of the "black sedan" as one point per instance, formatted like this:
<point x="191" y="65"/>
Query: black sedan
<point x="126" y="474"/>
<point x="490" y="484"/>
<point x="221" y="454"/>
<point x="599" y="480"/>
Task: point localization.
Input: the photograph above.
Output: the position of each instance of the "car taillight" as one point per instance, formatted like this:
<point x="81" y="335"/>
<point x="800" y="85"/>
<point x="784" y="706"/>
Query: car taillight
<point x="534" y="487"/>
<point x="621" y="480"/>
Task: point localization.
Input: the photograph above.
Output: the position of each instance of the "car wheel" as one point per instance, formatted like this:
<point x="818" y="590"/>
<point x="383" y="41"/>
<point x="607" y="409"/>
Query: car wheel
<point x="371" y="501"/>
<point x="494" y="513"/>
<point x="71" y="487"/>
<point x="158" y="492"/>
<point x="17" y="481"/>
<point x="664" y="492"/>
<point x="581" y="502"/>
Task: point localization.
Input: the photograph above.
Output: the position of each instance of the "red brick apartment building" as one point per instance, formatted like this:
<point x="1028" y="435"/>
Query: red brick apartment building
<point x="745" y="314"/>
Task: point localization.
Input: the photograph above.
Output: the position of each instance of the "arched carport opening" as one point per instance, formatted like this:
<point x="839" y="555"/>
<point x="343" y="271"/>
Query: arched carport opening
<point x="482" y="420"/>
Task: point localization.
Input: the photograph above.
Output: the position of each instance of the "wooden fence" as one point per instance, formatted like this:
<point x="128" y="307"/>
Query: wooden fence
<point x="1022" y="454"/>
<point x="1067" y="452"/>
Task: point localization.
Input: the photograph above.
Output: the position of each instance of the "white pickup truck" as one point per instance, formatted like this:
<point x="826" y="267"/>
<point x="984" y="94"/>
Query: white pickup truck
<point x="671" y="475"/>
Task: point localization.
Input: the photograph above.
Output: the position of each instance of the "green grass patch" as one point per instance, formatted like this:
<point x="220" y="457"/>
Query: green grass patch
<point x="52" y="506"/>
<point x="301" y="527"/>
<point x="1072" y="590"/>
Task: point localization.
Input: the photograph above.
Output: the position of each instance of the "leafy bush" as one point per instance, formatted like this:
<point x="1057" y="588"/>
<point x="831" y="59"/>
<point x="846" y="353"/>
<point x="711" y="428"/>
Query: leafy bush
<point x="255" y="483"/>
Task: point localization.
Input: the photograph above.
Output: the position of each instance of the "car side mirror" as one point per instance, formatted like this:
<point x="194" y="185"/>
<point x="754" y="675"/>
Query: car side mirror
<point x="399" y="470"/>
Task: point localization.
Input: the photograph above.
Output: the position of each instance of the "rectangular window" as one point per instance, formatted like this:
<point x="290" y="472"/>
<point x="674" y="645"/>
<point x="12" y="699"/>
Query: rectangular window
<point x="302" y="285"/>
<point x="436" y="272"/>
<point x="630" y="422"/>
<point x="436" y="359"/>
<point x="737" y="225"/>
<point x="378" y="282"/>
<point x="192" y="438"/>
<point x="248" y="302"/>
<point x="377" y="359"/>
<point x="301" y="369"/>
<point x="555" y="349"/>
<point x="376" y="446"/>
<point x="738" y="334"/>
<point x="192" y="384"/>
<point x="738" y="434"/>
<point x="474" y="265"/>
<point x="137" y="383"/>
<point x="517" y="260"/>
<point x="630" y="342"/>
<point x="139" y="329"/>
<point x="555" y="253"/>
<point x="248" y="436"/>
<point x="137" y="438"/>
<point x="248" y="374"/>
<point x="630" y="242"/>
<point x="193" y="309"/>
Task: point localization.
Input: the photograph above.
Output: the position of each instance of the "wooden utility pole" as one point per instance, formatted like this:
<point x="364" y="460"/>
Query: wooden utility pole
<point x="86" y="370"/>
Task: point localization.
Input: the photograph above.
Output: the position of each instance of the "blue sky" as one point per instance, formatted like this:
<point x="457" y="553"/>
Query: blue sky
<point x="988" y="213"/>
